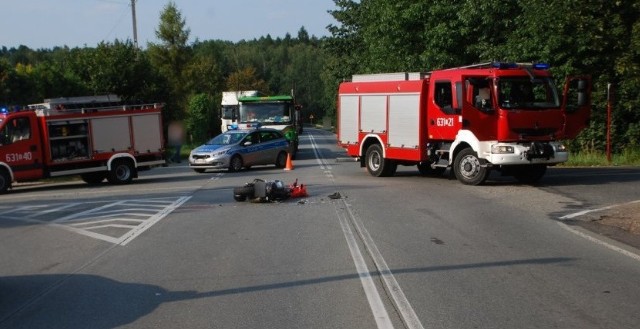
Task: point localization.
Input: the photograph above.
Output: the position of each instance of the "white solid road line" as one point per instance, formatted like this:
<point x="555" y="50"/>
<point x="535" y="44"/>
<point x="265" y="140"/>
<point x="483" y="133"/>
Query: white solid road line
<point x="601" y="240"/>
<point x="409" y="316"/>
<point x="373" y="296"/>
<point x="580" y="213"/>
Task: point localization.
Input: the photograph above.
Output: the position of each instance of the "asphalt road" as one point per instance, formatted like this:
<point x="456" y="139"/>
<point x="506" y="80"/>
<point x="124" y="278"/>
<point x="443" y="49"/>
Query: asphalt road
<point x="175" y="250"/>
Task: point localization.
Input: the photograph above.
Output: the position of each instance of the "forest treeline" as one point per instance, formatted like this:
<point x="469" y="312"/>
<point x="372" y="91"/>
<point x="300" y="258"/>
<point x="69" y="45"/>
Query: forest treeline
<point x="592" y="37"/>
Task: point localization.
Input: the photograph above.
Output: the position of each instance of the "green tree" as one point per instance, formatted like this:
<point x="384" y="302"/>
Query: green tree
<point x="202" y="75"/>
<point x="171" y="57"/>
<point x="200" y="126"/>
<point x="117" y="69"/>
<point x="246" y="79"/>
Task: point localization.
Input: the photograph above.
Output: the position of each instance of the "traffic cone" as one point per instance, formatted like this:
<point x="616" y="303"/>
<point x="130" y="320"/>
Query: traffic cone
<point x="289" y="165"/>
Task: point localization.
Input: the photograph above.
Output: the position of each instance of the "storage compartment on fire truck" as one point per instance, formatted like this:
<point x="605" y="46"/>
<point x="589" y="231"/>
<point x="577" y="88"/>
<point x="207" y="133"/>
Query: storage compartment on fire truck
<point x="68" y="140"/>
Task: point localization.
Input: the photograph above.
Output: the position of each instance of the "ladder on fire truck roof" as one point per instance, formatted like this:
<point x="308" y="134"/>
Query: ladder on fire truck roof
<point x="85" y="104"/>
<point x="396" y="76"/>
<point x="502" y="65"/>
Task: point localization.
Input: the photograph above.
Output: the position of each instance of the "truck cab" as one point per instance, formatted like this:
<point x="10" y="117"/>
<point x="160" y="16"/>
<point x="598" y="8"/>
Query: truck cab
<point x="278" y="112"/>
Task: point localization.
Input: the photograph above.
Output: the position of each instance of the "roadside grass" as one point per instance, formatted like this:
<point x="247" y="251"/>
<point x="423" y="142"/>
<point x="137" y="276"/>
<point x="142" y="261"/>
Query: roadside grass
<point x="629" y="157"/>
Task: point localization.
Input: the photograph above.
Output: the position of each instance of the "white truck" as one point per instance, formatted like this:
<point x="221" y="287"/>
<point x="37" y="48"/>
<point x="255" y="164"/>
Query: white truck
<point x="229" y="107"/>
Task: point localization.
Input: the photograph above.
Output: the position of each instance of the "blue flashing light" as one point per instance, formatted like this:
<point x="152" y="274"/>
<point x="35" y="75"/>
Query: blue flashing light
<point x="3" y="110"/>
<point x="233" y="126"/>
<point x="541" y="66"/>
<point x="502" y="65"/>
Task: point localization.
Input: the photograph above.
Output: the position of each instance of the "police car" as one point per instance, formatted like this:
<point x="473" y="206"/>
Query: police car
<point x="237" y="149"/>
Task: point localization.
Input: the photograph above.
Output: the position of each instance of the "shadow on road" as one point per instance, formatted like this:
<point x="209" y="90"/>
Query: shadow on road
<point x="90" y="301"/>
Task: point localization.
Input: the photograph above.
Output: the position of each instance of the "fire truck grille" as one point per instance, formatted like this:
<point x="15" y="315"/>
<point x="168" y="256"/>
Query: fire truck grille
<point x="533" y="132"/>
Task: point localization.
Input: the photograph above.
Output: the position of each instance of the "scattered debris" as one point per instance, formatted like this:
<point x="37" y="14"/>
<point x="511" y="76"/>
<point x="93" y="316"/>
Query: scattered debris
<point x="335" y="196"/>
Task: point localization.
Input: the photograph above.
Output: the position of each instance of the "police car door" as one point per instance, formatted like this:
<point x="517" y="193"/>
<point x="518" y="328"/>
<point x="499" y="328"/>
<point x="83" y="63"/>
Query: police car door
<point x="251" y="152"/>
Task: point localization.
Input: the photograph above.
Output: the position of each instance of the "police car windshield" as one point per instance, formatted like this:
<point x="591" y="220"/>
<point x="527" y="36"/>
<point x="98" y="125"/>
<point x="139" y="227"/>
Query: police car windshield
<point x="228" y="138"/>
<point x="526" y="93"/>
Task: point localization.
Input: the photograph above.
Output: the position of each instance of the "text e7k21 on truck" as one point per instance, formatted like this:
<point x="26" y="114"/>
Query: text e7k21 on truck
<point x="492" y="116"/>
<point x="111" y="141"/>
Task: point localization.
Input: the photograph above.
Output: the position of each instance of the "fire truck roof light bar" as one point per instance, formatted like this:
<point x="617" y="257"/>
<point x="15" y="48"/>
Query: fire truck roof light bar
<point x="510" y="65"/>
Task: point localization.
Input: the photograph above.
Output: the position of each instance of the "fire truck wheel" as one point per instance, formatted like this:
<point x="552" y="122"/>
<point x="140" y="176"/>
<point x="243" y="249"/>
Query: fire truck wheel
<point x="5" y="181"/>
<point x="121" y="172"/>
<point x="377" y="165"/>
<point x="93" y="178"/>
<point x="281" y="160"/>
<point x="235" y="164"/>
<point x="468" y="169"/>
<point x="530" y="174"/>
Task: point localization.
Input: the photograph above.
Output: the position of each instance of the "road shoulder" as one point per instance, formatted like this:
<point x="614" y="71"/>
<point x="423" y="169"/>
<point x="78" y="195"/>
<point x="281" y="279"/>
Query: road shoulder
<point x="618" y="222"/>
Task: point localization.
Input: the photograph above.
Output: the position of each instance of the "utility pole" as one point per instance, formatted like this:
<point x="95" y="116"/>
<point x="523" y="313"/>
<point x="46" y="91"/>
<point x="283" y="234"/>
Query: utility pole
<point x="135" y="27"/>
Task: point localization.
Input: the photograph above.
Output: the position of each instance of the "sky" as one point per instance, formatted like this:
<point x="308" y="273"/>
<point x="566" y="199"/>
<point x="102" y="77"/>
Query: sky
<point x="45" y="24"/>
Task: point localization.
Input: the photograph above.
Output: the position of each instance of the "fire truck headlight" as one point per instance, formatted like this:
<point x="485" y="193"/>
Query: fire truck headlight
<point x="561" y="148"/>
<point x="501" y="149"/>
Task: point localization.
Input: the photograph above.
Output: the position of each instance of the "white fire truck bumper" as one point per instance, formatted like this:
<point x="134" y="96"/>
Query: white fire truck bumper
<point x="523" y="154"/>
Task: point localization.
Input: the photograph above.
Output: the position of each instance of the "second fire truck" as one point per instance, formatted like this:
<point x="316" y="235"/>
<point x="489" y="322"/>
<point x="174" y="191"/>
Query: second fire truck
<point x="92" y="137"/>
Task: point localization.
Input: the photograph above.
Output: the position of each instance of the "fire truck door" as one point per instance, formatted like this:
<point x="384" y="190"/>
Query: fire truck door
<point x="479" y="107"/>
<point x="20" y="147"/>
<point x="576" y="104"/>
<point x="443" y="118"/>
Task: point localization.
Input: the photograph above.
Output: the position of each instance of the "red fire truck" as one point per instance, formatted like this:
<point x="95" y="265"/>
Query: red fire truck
<point x="91" y="139"/>
<point x="492" y="116"/>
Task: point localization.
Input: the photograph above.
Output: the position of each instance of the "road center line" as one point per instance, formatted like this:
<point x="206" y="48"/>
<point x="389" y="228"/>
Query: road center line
<point x="321" y="161"/>
<point x="391" y="285"/>
<point x="373" y="296"/>
<point x="409" y="316"/>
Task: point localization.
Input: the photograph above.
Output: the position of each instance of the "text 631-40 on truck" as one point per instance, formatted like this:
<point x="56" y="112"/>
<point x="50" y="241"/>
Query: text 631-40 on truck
<point x="67" y="137"/>
<point x="493" y="116"/>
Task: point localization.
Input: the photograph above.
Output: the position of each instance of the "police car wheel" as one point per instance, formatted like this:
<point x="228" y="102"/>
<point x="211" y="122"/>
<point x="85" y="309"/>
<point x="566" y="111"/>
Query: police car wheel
<point x="235" y="164"/>
<point x="281" y="160"/>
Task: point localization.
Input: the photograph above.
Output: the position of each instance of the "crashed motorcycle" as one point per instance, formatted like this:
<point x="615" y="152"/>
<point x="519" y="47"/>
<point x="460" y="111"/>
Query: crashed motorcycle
<point x="260" y="190"/>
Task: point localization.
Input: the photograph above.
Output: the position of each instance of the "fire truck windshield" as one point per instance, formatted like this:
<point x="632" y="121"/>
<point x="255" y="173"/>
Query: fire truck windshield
<point x="526" y="93"/>
<point x="266" y="112"/>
